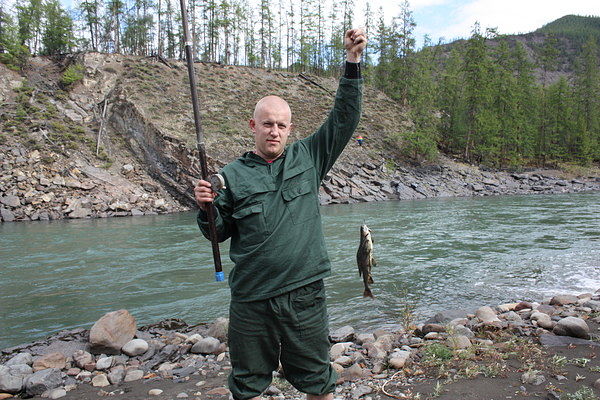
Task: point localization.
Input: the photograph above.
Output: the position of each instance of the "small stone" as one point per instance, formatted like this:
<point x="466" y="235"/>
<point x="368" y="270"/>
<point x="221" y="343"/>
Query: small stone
<point x="597" y="384"/>
<point x="458" y="342"/>
<point x="508" y="307"/>
<point x="182" y="395"/>
<point x="343" y="334"/>
<point x="135" y="347"/>
<point x="486" y="315"/>
<point x="365" y="338"/>
<point x="57" y="393"/>
<point x="126" y="169"/>
<point x="116" y="375"/>
<point x="563" y="300"/>
<point x="344" y="361"/>
<point x="354" y="372"/>
<point x="195" y="338"/>
<point x="73" y="371"/>
<point x="533" y="378"/>
<point x="338" y="350"/>
<point x="155" y="392"/>
<point x="219" y="329"/>
<point x="218" y="392"/>
<point x="100" y="380"/>
<point x="433" y="336"/>
<point x="542" y="320"/>
<point x="207" y="345"/>
<point x="104" y="363"/>
<point x="272" y="391"/>
<point x="84" y="375"/>
<point x="82" y="358"/>
<point x="361" y="391"/>
<point x="398" y="359"/>
<point x="338" y="368"/>
<point x="134" y="375"/>
<point x="52" y="360"/>
<point x="432" y="328"/>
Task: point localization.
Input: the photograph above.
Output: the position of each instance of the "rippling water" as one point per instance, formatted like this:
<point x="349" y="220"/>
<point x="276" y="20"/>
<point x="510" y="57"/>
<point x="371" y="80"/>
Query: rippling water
<point x="432" y="254"/>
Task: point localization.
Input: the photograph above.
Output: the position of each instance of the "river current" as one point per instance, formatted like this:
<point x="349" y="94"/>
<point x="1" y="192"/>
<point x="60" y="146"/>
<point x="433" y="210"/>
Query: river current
<point x="431" y="255"/>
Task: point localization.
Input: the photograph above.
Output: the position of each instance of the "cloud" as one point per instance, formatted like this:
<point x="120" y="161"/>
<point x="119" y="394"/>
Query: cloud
<point x="511" y="16"/>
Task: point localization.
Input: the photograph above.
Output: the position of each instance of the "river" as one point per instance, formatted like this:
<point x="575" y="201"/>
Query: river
<point x="432" y="255"/>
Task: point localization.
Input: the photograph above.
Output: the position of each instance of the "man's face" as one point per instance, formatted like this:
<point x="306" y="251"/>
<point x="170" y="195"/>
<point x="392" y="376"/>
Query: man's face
<point x="272" y="124"/>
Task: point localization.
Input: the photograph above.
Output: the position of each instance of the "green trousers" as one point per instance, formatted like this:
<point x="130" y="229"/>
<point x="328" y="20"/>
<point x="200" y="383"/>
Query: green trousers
<point x="291" y="328"/>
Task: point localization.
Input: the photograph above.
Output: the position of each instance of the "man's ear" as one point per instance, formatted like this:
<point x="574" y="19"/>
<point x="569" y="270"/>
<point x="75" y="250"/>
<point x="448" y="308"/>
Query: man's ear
<point x="292" y="126"/>
<point x="252" y="124"/>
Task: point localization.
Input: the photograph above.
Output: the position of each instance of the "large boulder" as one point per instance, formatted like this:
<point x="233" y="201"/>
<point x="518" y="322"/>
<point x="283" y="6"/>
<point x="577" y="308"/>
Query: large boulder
<point x="572" y="326"/>
<point x="10" y="383"/>
<point x="21" y="358"/>
<point x="111" y="332"/>
<point x="42" y="381"/>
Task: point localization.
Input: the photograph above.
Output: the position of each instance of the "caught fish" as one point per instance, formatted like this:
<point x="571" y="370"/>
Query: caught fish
<point x="364" y="259"/>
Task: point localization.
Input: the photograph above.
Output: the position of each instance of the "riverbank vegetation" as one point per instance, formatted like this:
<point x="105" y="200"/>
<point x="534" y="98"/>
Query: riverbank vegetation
<point x="497" y="100"/>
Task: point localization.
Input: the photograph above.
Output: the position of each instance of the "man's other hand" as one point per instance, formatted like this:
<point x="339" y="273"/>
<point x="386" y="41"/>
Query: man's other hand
<point x="203" y="194"/>
<point x="355" y="42"/>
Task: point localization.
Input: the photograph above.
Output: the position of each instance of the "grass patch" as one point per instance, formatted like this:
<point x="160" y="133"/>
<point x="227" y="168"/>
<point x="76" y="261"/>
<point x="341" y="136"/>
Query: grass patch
<point x="585" y="393"/>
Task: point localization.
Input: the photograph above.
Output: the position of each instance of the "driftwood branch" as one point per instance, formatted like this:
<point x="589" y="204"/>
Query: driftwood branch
<point x="315" y="83"/>
<point x="101" y="125"/>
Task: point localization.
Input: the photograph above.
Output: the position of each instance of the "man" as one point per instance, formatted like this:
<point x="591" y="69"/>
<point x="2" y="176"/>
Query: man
<point x="270" y="210"/>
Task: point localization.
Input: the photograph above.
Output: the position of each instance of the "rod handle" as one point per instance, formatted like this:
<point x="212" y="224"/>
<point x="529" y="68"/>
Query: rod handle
<point x="219" y="276"/>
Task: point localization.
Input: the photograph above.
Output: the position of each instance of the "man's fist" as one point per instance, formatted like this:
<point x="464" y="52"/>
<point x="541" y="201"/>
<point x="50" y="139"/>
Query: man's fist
<point x="355" y="42"/>
<point x="203" y="194"/>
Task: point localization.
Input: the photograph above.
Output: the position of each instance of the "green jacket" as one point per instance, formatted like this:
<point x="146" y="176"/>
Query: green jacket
<point x="271" y="210"/>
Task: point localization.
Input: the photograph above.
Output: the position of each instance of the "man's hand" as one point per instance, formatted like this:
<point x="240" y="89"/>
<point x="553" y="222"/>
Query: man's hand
<point x="204" y="194"/>
<point x="355" y="42"/>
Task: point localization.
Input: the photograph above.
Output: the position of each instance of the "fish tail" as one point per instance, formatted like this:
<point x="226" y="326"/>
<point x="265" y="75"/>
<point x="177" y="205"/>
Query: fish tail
<point x="367" y="293"/>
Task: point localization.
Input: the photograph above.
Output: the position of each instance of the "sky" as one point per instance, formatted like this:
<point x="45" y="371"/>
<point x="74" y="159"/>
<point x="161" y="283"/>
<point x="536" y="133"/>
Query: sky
<point x="453" y="19"/>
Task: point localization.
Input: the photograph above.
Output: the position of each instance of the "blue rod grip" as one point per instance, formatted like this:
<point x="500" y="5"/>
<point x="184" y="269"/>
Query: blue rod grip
<point x="219" y="276"/>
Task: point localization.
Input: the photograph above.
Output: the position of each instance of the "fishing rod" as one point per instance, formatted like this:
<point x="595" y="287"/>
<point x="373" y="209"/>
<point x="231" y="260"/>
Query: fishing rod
<point x="216" y="180"/>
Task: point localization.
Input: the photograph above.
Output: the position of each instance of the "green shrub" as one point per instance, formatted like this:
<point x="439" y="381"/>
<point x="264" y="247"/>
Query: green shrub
<point x="438" y="351"/>
<point x="73" y="74"/>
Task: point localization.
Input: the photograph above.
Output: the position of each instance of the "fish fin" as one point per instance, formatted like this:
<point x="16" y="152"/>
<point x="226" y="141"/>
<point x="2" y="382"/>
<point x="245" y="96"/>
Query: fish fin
<point x="371" y="279"/>
<point x="359" y="271"/>
<point x="367" y="293"/>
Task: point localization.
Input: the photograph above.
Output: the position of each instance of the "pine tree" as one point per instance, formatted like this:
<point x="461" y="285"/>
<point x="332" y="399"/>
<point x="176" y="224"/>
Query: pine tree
<point x="587" y="89"/>
<point x="90" y="11"/>
<point x="29" y="17"/>
<point x="481" y="136"/>
<point x="452" y="105"/>
<point x="58" y="30"/>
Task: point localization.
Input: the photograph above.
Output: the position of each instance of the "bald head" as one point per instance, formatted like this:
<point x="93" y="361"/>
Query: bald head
<point x="272" y="103"/>
<point x="271" y="125"/>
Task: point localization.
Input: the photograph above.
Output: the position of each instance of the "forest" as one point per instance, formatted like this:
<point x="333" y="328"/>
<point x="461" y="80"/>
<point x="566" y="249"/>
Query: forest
<point x="491" y="99"/>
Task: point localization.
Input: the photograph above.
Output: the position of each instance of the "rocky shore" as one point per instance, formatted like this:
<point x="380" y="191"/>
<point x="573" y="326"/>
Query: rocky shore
<point x="36" y="185"/>
<point x="534" y="350"/>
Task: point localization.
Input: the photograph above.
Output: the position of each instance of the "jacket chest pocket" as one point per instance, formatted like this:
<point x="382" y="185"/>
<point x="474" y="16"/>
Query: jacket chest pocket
<point x="300" y="201"/>
<point x="251" y="224"/>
